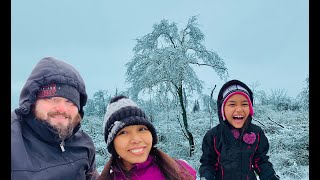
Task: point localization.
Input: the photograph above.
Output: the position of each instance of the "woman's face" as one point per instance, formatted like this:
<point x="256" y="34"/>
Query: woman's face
<point x="237" y="110"/>
<point x="133" y="144"/>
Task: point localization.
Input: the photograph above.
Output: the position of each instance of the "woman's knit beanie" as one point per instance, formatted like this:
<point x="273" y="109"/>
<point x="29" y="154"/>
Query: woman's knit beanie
<point x="122" y="112"/>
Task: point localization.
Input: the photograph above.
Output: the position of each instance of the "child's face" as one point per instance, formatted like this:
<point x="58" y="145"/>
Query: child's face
<point x="133" y="144"/>
<point x="237" y="110"/>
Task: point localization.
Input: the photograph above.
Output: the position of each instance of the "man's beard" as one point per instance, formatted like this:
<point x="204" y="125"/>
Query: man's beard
<point x="62" y="131"/>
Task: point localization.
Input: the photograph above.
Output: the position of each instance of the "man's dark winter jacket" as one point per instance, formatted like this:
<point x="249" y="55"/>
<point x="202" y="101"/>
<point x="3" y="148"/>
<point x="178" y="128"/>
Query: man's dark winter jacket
<point x="225" y="157"/>
<point x="35" y="148"/>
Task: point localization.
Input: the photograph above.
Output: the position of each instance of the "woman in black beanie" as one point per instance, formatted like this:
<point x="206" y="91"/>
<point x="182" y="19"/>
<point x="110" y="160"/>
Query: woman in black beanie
<point x="131" y="140"/>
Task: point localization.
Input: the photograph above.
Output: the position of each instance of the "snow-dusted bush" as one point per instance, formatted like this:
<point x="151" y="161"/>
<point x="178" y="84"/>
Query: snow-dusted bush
<point x="93" y="126"/>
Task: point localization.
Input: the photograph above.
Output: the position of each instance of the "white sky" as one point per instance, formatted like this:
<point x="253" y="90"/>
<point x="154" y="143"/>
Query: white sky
<point x="260" y="41"/>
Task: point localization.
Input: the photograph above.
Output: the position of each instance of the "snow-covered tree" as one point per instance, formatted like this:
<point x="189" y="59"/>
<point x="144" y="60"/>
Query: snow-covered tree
<point x="164" y="59"/>
<point x="210" y="105"/>
<point x="97" y="106"/>
<point x="303" y="97"/>
<point x="196" y="106"/>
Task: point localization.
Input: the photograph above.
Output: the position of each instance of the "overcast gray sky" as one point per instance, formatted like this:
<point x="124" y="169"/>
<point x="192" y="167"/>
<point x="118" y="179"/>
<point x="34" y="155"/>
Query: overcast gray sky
<point x="260" y="41"/>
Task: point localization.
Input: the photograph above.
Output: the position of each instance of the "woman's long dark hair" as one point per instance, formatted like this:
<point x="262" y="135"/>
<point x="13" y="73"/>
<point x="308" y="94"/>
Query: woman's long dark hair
<point x="169" y="167"/>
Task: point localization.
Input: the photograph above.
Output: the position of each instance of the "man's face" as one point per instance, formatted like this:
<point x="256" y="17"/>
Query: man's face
<point x="58" y="112"/>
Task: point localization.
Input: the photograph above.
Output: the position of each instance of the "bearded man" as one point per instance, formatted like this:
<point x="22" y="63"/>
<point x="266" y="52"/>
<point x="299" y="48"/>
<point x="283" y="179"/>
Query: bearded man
<point x="47" y="141"/>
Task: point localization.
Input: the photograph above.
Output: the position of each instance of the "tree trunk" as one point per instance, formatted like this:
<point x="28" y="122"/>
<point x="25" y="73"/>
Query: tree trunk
<point x="185" y="121"/>
<point x="211" y="108"/>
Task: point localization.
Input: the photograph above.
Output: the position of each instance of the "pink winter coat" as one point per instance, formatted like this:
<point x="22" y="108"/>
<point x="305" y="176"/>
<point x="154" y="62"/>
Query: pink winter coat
<point x="149" y="170"/>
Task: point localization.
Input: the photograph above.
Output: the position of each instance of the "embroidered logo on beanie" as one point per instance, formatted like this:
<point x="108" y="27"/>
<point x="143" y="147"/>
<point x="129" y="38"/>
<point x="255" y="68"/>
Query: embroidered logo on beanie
<point x="232" y="90"/>
<point x="122" y="112"/>
<point x="60" y="90"/>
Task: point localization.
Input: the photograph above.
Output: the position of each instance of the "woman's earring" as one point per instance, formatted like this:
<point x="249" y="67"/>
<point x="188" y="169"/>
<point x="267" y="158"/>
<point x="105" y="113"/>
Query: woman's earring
<point x="119" y="157"/>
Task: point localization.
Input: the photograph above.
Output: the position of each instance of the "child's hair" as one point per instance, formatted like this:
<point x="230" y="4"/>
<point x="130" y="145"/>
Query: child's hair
<point x="169" y="167"/>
